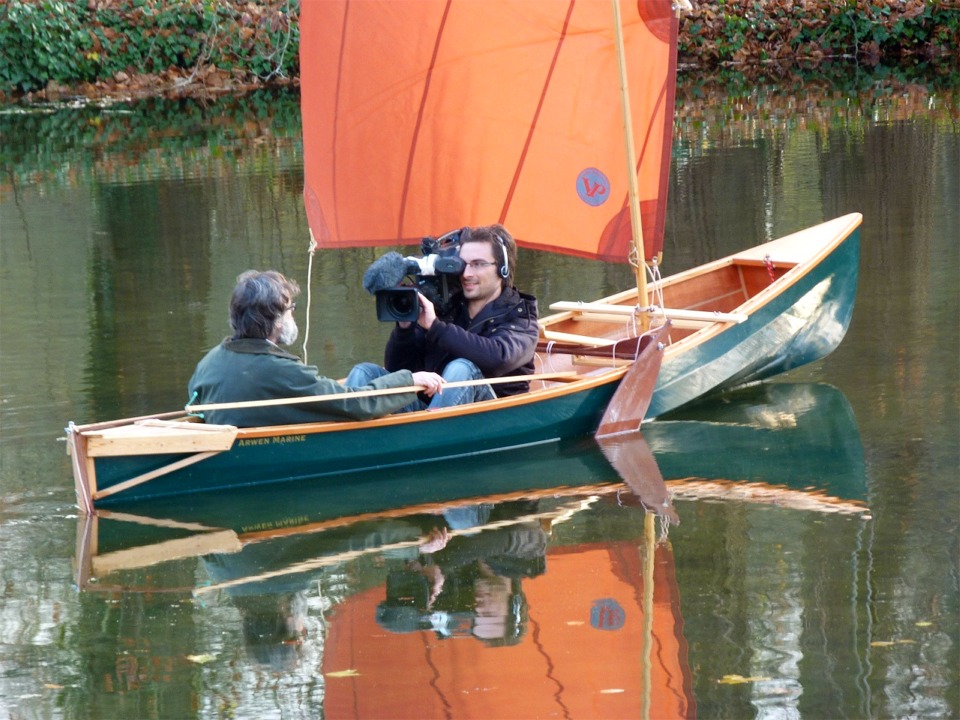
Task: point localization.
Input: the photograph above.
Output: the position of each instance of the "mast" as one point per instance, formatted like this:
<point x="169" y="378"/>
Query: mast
<point x="636" y="227"/>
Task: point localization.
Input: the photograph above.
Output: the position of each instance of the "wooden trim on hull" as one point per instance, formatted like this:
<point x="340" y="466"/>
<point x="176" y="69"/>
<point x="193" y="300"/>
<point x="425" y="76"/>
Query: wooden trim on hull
<point x="144" y="477"/>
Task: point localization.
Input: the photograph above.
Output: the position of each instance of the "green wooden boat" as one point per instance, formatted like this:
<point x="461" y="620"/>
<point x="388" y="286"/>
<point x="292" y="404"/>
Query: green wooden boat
<point x="793" y="444"/>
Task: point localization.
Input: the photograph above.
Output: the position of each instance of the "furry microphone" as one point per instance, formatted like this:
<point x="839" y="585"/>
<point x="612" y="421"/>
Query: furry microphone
<point x="386" y="272"/>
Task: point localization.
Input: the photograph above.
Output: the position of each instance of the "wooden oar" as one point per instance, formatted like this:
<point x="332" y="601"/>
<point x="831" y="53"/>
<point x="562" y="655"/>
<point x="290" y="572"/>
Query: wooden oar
<point x="373" y="393"/>
<point x="629" y="403"/>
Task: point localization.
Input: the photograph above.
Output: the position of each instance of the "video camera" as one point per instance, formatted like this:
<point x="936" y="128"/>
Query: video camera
<point x="396" y="280"/>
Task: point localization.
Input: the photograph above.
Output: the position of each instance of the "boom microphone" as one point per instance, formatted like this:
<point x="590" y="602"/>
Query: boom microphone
<point x="386" y="272"/>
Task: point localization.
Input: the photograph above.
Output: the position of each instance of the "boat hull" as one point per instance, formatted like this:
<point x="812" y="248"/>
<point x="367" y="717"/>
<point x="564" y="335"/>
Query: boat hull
<point x="802" y="320"/>
<point x="143" y="458"/>
<point x="800" y="438"/>
<point x="296" y="453"/>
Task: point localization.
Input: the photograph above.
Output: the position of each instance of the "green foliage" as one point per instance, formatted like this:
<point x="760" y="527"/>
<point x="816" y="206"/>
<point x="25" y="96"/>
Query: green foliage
<point x="231" y="42"/>
<point x="62" y="41"/>
<point x="738" y="31"/>
<point x="43" y="41"/>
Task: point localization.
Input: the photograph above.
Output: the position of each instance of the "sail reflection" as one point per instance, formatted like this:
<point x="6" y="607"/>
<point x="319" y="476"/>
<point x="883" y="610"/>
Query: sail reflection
<point x="512" y="585"/>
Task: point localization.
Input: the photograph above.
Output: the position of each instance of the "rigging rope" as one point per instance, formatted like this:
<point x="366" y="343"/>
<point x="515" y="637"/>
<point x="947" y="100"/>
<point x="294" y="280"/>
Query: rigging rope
<point x="311" y="249"/>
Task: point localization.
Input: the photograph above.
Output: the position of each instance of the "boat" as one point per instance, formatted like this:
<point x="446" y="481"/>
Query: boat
<point x="479" y="112"/>
<point x="546" y="519"/>
<point x="793" y="444"/>
<point x="422" y="117"/>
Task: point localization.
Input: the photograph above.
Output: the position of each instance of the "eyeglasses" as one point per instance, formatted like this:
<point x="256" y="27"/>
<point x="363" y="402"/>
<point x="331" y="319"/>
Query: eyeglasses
<point x="291" y="307"/>
<point x="479" y="264"/>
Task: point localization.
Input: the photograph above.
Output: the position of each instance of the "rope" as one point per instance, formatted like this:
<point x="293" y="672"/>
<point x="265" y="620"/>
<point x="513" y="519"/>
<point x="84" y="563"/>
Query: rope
<point x="768" y="263"/>
<point x="653" y="271"/>
<point x="191" y="401"/>
<point x="311" y="249"/>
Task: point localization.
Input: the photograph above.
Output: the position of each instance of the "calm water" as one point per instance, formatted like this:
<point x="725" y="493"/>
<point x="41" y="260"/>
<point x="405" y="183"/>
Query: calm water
<point x="835" y="596"/>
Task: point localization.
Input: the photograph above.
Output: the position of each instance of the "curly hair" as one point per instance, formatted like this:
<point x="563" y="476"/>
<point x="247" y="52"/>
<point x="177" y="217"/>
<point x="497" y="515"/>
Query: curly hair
<point x="258" y="303"/>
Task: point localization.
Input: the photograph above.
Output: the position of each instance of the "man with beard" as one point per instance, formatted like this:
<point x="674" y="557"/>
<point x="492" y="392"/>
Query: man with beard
<point x="489" y="331"/>
<point x="251" y="365"/>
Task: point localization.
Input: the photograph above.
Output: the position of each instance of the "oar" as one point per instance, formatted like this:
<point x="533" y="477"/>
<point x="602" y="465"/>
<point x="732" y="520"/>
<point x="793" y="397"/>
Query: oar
<point x="629" y="403"/>
<point x="374" y="393"/>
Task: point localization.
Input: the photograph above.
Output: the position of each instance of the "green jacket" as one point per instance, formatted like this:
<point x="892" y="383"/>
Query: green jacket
<point x="252" y="369"/>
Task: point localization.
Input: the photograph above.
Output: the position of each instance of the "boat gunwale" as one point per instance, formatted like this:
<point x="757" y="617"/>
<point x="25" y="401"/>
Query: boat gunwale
<point x="794" y="275"/>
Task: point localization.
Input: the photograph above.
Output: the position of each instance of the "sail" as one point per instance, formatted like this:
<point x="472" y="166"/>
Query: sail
<point x="423" y="116"/>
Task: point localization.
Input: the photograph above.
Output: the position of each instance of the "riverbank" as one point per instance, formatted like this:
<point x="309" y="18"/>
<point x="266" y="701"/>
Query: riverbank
<point x="128" y="49"/>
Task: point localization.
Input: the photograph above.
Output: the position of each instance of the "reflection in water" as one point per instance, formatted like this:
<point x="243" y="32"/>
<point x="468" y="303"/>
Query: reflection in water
<point x="153" y="245"/>
<point x="535" y="601"/>
<point x="562" y="587"/>
<point x="775" y="442"/>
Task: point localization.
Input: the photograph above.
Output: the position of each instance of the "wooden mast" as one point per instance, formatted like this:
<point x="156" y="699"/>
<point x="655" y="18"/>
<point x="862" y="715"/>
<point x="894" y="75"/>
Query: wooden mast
<point x="633" y="193"/>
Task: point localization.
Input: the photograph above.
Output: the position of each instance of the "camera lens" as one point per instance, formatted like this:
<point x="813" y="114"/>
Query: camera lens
<point x="399" y="304"/>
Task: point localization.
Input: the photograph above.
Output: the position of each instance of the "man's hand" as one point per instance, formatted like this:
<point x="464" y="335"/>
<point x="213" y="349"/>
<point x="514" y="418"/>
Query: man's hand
<point x="431" y="382"/>
<point x="428" y="313"/>
<point x="436" y="540"/>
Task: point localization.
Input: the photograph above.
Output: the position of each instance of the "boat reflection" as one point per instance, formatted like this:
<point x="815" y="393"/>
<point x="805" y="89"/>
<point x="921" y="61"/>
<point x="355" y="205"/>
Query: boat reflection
<point x="510" y="585"/>
<point x="793" y="444"/>
<point x="578" y="618"/>
<point x="567" y="582"/>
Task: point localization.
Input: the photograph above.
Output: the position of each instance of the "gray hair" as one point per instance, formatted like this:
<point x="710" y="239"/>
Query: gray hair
<point x="258" y="303"/>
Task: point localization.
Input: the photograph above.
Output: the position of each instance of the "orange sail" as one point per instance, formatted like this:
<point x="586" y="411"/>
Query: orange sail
<point x="423" y="116"/>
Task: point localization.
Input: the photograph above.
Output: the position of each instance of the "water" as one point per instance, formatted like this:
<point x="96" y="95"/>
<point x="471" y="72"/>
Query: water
<point x="121" y="232"/>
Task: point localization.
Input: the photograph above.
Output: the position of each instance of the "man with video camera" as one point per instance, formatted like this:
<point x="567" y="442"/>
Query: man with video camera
<point x="488" y="329"/>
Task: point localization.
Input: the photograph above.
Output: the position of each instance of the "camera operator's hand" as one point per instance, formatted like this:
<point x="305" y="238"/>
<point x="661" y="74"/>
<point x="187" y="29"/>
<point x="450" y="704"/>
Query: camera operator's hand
<point x="431" y="382"/>
<point x="428" y="313"/>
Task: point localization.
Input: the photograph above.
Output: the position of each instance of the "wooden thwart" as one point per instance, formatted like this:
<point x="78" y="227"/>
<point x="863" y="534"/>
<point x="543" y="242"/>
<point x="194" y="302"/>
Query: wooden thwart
<point x="702" y="316"/>
<point x="573" y="338"/>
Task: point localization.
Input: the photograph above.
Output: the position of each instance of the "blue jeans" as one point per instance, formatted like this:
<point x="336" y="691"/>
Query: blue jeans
<point x="456" y="370"/>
